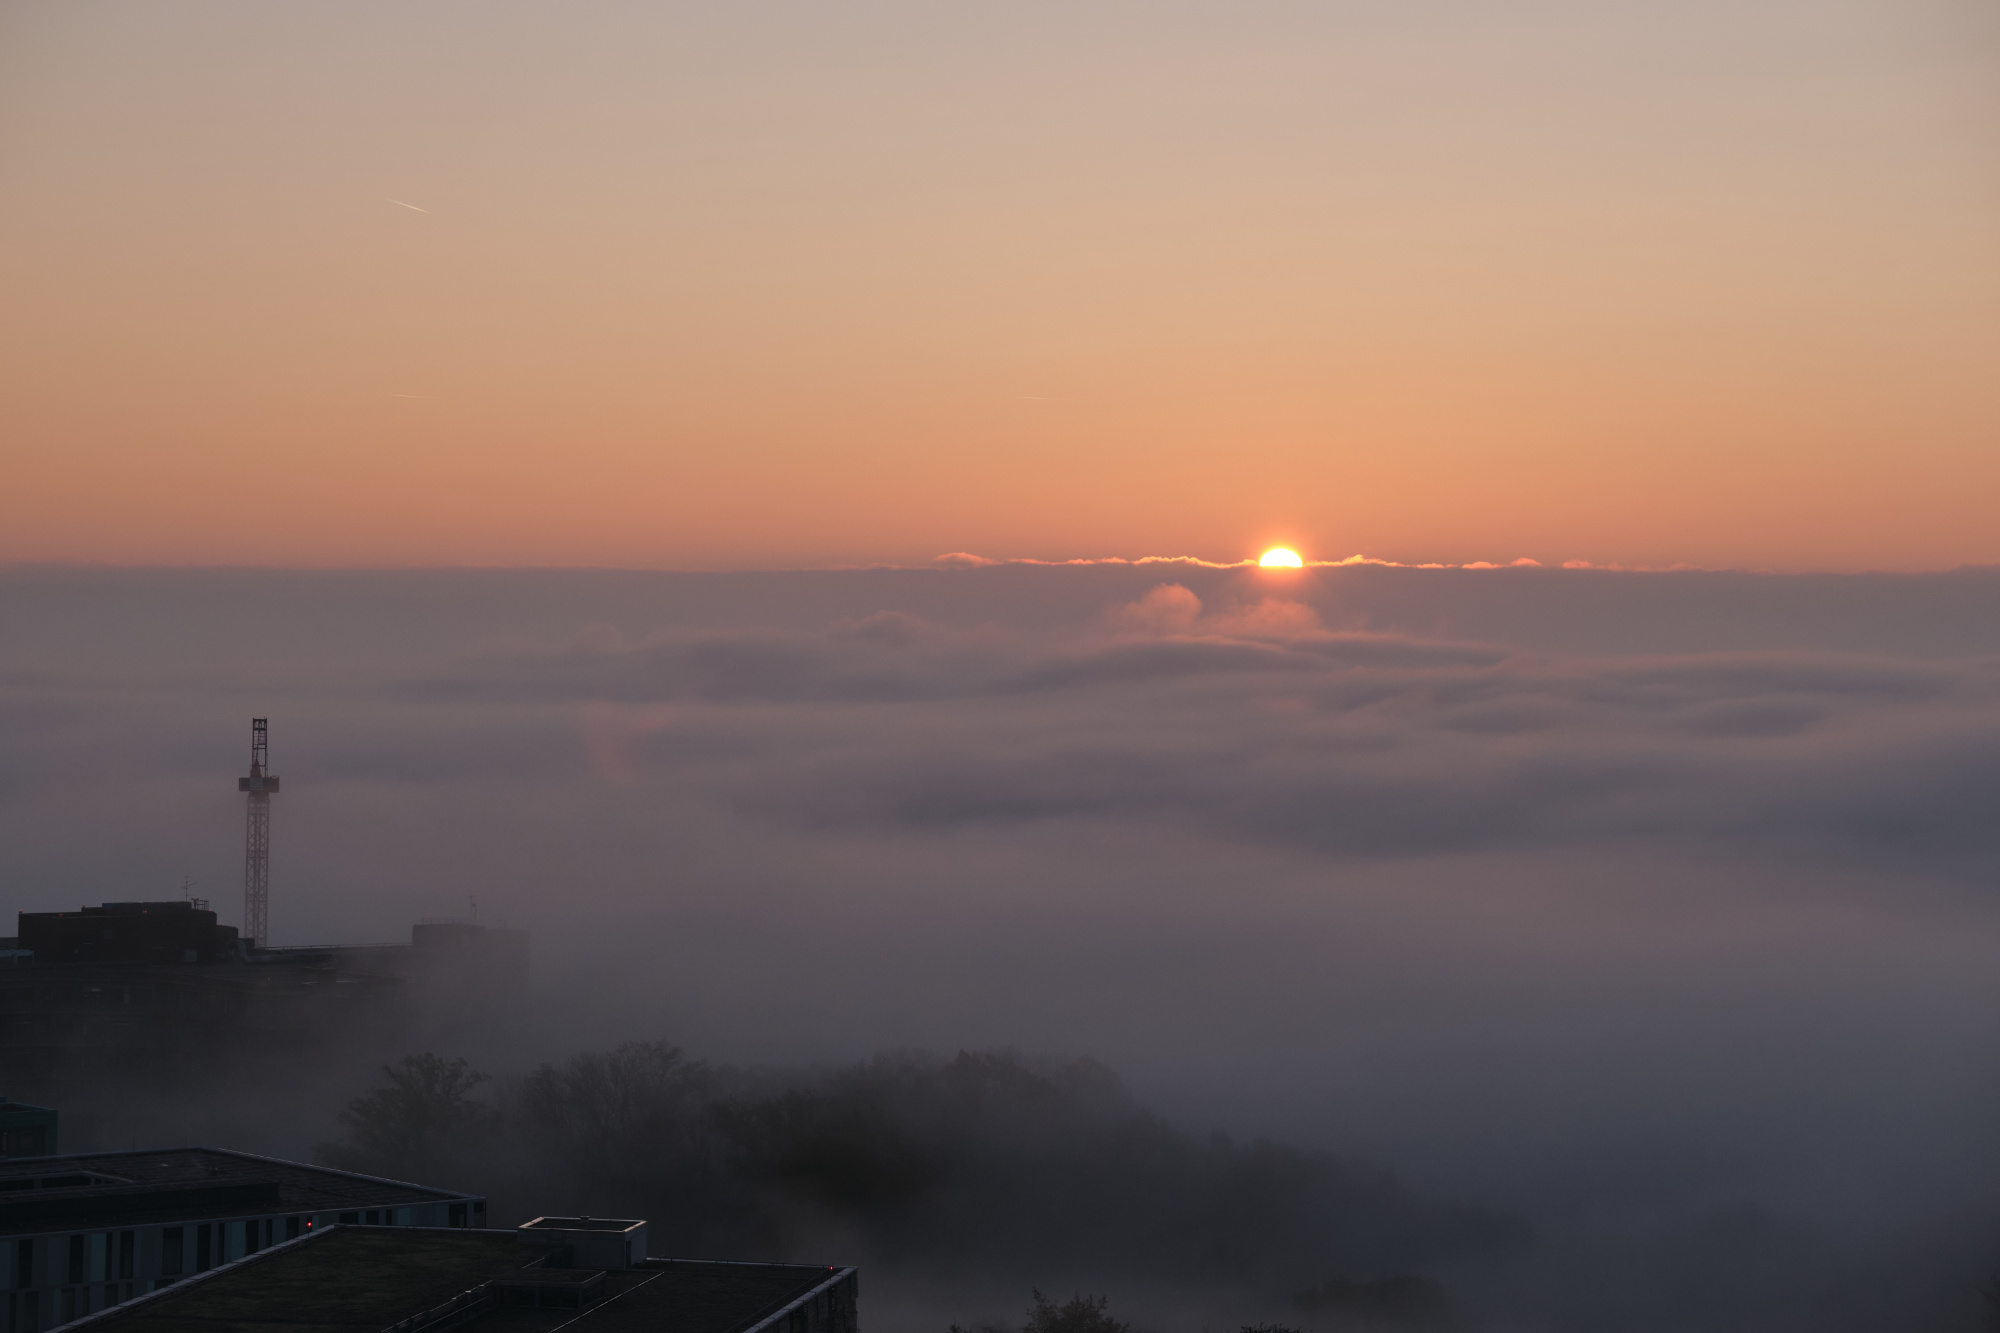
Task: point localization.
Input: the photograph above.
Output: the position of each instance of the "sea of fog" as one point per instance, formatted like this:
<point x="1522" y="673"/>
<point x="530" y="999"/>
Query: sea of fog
<point x="1661" y="910"/>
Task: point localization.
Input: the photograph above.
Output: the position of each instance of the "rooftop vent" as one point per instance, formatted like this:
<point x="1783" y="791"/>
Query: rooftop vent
<point x="593" y="1242"/>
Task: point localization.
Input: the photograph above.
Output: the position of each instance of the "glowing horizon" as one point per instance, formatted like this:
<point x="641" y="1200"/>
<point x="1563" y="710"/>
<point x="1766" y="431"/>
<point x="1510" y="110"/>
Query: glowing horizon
<point x="1441" y="288"/>
<point x="963" y="560"/>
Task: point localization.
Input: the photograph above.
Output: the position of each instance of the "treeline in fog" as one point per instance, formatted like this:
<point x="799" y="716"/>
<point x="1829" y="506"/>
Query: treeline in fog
<point x="987" y="1162"/>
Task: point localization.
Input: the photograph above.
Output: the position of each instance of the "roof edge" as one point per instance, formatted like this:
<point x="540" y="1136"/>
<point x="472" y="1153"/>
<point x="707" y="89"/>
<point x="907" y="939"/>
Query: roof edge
<point x="339" y="1171"/>
<point x="448" y="1194"/>
<point x="771" y="1320"/>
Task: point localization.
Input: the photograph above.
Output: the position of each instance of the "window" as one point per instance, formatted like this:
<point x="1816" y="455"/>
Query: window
<point x="79" y="1258"/>
<point x="458" y="1215"/>
<point x="374" y="1217"/>
<point x="24" y="1263"/>
<point x="349" y="1219"/>
<point x="172" y="1261"/>
<point x="253" y="1234"/>
<point x="291" y="1228"/>
<point x="30" y="1142"/>
<point x="127" y="1246"/>
<point x="204" y="1254"/>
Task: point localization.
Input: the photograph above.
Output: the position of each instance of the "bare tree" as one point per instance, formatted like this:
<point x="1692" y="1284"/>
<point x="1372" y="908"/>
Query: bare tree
<point x="416" y="1124"/>
<point x="1080" y="1314"/>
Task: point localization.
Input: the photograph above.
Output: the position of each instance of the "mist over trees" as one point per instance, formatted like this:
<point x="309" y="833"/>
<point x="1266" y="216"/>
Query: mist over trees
<point x="991" y="1168"/>
<point x="423" y="1114"/>
<point x="1403" y="1303"/>
<point x="985" y="1162"/>
<point x="1079" y="1314"/>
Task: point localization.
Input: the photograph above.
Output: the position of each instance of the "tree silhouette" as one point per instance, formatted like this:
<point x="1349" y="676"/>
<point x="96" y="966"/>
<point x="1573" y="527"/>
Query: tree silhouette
<point x="414" y="1125"/>
<point x="1082" y="1314"/>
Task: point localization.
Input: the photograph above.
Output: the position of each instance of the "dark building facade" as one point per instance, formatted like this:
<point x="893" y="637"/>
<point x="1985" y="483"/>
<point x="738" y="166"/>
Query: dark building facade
<point x="169" y="932"/>
<point x="163" y="990"/>
<point x="83" y="1233"/>
<point x="26" y="1131"/>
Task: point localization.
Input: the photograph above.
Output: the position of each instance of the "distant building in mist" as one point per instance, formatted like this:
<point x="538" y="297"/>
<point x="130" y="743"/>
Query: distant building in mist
<point x="550" y="1273"/>
<point x="170" y="932"/>
<point x="163" y="989"/>
<point x="84" y="1233"/>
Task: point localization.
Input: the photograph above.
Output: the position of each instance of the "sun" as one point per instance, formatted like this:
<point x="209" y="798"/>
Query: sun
<point x="1279" y="557"/>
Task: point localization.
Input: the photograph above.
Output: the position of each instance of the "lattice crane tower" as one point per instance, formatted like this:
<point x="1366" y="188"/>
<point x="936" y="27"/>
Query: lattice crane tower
<point x="257" y="835"/>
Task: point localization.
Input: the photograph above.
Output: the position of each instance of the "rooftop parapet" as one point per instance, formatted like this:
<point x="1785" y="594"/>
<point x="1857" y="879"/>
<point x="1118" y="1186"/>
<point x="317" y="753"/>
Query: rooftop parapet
<point x="593" y="1242"/>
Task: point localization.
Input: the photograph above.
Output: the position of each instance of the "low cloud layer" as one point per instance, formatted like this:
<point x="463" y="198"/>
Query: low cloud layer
<point x="1258" y="724"/>
<point x="1629" y="901"/>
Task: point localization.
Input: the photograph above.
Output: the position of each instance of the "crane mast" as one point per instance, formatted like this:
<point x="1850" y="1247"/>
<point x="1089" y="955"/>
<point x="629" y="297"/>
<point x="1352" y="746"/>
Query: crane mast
<point x="257" y="836"/>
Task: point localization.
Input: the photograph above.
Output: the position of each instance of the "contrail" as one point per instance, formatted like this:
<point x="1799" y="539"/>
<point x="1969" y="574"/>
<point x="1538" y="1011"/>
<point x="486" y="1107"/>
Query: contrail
<point x="398" y="201"/>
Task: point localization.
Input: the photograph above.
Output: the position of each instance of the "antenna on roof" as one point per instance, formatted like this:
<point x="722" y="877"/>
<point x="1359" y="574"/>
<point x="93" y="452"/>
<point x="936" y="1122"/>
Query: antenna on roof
<point x="257" y="835"/>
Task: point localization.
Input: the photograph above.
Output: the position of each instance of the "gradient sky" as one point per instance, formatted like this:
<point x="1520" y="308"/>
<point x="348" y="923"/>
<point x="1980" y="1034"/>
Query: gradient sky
<point x="767" y="285"/>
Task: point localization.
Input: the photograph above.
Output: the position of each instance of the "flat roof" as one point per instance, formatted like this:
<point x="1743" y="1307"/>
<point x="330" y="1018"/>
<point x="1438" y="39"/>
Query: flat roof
<point x="111" y="1189"/>
<point x="350" y="1279"/>
<point x="582" y="1224"/>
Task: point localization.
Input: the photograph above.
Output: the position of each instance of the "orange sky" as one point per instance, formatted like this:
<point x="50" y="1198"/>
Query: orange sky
<point x="759" y="285"/>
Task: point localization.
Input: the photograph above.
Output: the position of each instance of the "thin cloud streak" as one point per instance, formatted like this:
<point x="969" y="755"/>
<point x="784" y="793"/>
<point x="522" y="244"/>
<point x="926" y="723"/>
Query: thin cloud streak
<point x="968" y="558"/>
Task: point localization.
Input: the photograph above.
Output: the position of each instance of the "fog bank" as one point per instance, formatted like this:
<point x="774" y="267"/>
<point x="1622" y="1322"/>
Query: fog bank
<point x="1644" y="905"/>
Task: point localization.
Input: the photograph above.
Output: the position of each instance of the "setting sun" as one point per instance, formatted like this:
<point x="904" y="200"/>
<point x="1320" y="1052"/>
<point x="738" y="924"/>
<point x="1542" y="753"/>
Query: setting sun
<point x="1280" y="558"/>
